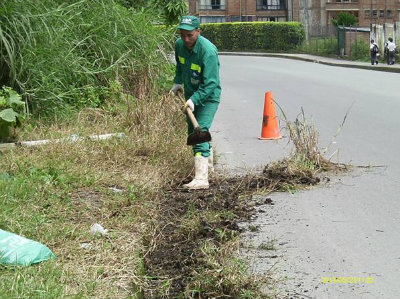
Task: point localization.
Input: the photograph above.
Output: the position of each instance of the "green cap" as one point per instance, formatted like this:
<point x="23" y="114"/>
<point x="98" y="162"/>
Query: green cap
<point x="189" y="23"/>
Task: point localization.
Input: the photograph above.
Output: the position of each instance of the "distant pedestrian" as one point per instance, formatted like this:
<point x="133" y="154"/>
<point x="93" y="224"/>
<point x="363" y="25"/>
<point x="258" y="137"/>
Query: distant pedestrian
<point x="374" y="50"/>
<point x="386" y="52"/>
<point x="391" y="46"/>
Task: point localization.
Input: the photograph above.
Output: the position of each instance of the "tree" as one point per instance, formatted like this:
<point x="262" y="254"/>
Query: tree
<point x="345" y="19"/>
<point x="172" y="10"/>
<point x="169" y="11"/>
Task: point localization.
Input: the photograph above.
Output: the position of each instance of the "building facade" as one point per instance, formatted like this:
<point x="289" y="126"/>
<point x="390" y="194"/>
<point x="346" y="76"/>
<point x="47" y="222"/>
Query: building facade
<point x="215" y="11"/>
<point x="368" y="12"/>
<point x="308" y="12"/>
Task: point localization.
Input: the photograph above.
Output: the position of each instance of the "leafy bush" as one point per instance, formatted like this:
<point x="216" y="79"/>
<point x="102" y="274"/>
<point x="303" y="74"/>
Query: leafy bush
<point x="273" y="36"/>
<point x="12" y="111"/>
<point x="345" y="19"/>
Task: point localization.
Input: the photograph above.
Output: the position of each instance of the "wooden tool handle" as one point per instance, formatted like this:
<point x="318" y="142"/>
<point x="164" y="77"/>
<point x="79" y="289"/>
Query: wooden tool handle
<point x="192" y="118"/>
<point x="189" y="112"/>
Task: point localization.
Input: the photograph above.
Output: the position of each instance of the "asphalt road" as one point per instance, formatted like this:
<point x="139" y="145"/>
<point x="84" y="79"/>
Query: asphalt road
<point x="348" y="227"/>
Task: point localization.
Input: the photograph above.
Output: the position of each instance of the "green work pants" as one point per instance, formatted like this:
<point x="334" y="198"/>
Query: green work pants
<point x="204" y="115"/>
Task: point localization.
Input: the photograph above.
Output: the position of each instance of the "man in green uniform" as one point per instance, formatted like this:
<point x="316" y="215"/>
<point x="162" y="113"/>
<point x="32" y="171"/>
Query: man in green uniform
<point x="197" y="72"/>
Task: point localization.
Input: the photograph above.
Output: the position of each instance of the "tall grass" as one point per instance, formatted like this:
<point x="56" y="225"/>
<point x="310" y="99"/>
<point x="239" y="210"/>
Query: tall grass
<point x="359" y="50"/>
<point x="68" y="53"/>
<point x="320" y="46"/>
<point x="53" y="194"/>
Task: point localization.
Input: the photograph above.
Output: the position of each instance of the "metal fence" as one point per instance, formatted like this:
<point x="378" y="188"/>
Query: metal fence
<point x="321" y="40"/>
<point x="341" y="41"/>
<point x="351" y="41"/>
<point x="317" y="30"/>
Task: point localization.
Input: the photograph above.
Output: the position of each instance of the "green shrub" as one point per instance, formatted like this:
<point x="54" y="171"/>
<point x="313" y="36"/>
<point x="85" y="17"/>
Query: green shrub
<point x="345" y="19"/>
<point x="12" y="111"/>
<point x="272" y="36"/>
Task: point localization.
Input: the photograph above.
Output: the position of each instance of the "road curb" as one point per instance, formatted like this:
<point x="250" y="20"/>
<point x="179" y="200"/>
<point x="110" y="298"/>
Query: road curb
<point x="380" y="68"/>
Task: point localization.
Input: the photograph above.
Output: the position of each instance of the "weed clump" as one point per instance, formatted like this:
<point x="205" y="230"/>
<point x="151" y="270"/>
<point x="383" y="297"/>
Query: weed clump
<point x="307" y="153"/>
<point x="61" y="54"/>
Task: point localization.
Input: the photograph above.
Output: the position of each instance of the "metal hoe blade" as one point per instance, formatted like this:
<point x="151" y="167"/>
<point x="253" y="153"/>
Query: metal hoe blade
<point x="198" y="136"/>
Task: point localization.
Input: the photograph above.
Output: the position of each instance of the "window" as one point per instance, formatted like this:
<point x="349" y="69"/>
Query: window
<point x="215" y="4"/>
<point x="374" y="13"/>
<point x="212" y="19"/>
<point x="389" y="14"/>
<point x="244" y="19"/>
<point x="272" y="19"/>
<point x="367" y="14"/>
<point x="271" y="4"/>
<point x="262" y="4"/>
<point x="212" y="4"/>
<point x="381" y="13"/>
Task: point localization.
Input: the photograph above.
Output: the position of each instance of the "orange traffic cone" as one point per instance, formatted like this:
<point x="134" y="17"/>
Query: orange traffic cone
<point x="270" y="129"/>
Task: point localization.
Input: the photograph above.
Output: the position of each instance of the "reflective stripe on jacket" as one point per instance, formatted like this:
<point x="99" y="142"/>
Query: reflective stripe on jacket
<point x="198" y="70"/>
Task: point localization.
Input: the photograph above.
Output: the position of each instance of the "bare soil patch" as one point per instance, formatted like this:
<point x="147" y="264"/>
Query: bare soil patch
<point x="190" y="218"/>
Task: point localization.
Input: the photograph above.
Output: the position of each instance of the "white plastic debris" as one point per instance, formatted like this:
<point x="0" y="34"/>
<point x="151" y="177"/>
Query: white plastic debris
<point x="74" y="137"/>
<point x="116" y="190"/>
<point x="98" y="229"/>
<point x="86" y="245"/>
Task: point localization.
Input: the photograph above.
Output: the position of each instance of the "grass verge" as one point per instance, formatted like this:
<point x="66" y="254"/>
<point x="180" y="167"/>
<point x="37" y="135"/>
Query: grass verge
<point x="162" y="242"/>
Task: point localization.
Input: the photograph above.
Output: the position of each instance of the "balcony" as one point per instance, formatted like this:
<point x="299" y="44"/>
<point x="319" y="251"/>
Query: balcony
<point x="342" y="5"/>
<point x="271" y="7"/>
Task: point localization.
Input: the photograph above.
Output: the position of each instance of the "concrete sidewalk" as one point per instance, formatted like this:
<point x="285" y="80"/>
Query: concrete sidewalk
<point x="383" y="67"/>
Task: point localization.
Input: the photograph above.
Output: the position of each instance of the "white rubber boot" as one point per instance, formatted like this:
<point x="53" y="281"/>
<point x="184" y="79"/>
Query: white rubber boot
<point x="211" y="162"/>
<point x="200" y="180"/>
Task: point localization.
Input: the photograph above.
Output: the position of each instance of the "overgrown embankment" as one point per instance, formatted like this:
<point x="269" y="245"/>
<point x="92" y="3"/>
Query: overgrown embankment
<point x="162" y="242"/>
<point x="93" y="67"/>
<point x="109" y="65"/>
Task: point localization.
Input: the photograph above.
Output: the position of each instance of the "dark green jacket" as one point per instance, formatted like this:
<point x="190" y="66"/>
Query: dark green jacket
<point x="198" y="71"/>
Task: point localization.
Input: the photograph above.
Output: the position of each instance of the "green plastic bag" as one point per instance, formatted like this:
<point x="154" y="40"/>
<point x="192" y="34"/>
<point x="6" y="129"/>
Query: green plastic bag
<point x="16" y="250"/>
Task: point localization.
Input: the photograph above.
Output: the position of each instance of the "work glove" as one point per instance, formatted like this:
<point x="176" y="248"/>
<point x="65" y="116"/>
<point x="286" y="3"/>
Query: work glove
<point x="175" y="88"/>
<point x="189" y="103"/>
